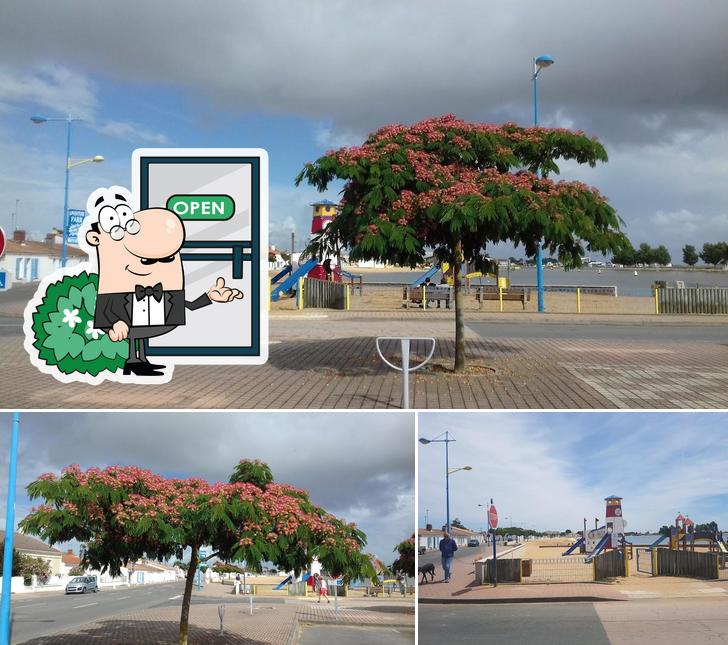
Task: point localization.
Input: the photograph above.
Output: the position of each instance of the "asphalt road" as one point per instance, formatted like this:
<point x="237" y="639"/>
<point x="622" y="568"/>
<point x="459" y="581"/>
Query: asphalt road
<point x="616" y="332"/>
<point x="40" y="614"/>
<point x="350" y="635"/>
<point x="535" y="624"/>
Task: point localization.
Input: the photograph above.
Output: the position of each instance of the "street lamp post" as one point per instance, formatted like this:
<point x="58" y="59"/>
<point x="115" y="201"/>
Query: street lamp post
<point x="69" y="164"/>
<point x="9" y="534"/>
<point x="448" y="471"/>
<point x="539" y="63"/>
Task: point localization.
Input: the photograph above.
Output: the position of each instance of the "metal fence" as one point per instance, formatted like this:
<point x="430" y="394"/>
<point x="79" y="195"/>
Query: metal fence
<point x="610" y="565"/>
<point x="643" y="560"/>
<point x="508" y="569"/>
<point x="324" y="294"/>
<point x="557" y="570"/>
<point x="687" y="564"/>
<point x="693" y="300"/>
<point x="723" y="566"/>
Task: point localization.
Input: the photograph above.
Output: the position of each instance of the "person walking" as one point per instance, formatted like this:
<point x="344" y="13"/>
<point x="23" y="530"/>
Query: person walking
<point x="323" y="589"/>
<point x="448" y="546"/>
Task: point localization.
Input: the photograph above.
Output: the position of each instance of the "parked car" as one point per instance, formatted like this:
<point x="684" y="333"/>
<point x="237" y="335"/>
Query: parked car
<point x="82" y="584"/>
<point x="473" y="542"/>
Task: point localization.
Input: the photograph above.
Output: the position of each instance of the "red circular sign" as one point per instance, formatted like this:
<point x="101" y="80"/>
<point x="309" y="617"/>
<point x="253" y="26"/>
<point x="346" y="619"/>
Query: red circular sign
<point x="493" y="517"/>
<point x="2" y="241"/>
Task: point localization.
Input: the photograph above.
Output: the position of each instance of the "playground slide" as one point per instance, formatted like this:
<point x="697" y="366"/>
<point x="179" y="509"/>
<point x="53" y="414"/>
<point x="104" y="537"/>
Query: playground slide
<point x="427" y="274"/>
<point x="292" y="280"/>
<point x="350" y="276"/>
<point x="573" y="547"/>
<point x="599" y="547"/>
<point x="721" y="546"/>
<point x="284" y="271"/>
<point x="659" y="540"/>
<point x="280" y="586"/>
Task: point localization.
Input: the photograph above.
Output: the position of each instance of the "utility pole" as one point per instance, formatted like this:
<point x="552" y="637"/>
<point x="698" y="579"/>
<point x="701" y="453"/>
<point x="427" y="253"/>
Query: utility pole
<point x="293" y="243"/>
<point x="14" y="221"/>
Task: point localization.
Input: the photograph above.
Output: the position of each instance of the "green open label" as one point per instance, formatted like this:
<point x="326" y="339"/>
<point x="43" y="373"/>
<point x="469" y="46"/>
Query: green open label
<point x="202" y="207"/>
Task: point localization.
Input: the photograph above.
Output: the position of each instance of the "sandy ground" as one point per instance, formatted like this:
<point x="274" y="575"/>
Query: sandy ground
<point x="390" y="299"/>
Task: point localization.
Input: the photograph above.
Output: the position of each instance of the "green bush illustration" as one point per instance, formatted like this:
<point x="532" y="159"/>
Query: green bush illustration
<point x="63" y="327"/>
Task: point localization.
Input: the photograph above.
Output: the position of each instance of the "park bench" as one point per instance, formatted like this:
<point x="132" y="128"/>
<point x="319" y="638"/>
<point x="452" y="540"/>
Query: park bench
<point x="490" y="292"/>
<point x="433" y="293"/>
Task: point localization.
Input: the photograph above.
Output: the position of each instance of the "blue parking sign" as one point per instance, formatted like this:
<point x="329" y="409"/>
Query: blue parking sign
<point x="3" y="280"/>
<point x="75" y="217"/>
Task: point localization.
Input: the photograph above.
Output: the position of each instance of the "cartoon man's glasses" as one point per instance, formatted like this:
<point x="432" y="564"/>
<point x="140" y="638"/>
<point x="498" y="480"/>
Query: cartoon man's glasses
<point x="118" y="221"/>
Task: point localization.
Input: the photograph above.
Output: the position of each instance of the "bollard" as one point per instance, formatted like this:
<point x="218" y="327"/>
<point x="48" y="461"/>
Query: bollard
<point x="657" y="300"/>
<point x="347" y="298"/>
<point x="336" y="596"/>
<point x="299" y="294"/>
<point x="424" y="297"/>
<point x="578" y="300"/>
<point x="221" y="613"/>
<point x="500" y="297"/>
<point x="251" y="604"/>
<point x="405" y="369"/>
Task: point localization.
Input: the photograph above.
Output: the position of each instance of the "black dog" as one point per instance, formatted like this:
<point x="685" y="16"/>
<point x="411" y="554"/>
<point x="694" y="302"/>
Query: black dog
<point x="425" y="570"/>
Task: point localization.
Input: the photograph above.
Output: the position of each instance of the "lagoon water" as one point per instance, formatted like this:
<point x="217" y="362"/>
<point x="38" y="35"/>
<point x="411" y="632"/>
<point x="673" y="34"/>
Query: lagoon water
<point x="624" y="279"/>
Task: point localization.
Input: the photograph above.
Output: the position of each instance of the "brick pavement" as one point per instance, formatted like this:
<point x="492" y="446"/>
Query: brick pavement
<point x="328" y="361"/>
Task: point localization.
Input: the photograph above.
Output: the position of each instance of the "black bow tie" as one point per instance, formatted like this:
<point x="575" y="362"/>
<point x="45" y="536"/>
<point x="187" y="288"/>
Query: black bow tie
<point x="155" y="292"/>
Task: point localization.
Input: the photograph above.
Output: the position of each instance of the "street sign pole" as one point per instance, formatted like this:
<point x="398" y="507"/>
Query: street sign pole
<point x="9" y="533"/>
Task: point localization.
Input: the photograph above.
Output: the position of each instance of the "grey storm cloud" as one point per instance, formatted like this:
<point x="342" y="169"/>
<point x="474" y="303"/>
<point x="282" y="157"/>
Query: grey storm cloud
<point x="648" y="78"/>
<point x="359" y="466"/>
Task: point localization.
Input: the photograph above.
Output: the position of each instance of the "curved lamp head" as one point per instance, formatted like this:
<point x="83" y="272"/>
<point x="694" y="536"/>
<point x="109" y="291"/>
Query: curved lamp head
<point x="97" y="159"/>
<point x="424" y="441"/>
<point x="467" y="468"/>
<point x="38" y="119"/>
<point x="544" y="61"/>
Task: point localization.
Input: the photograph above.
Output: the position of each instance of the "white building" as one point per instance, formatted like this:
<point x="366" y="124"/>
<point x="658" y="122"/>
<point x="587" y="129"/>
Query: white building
<point x="28" y="261"/>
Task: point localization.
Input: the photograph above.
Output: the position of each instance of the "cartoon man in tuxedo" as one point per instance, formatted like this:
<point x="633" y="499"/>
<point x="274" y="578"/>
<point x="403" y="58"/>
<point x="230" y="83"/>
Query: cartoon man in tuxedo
<point x="141" y="282"/>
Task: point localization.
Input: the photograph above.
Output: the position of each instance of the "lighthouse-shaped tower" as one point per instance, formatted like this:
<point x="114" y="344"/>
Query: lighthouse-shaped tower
<point x="324" y="213"/>
<point x="614" y="521"/>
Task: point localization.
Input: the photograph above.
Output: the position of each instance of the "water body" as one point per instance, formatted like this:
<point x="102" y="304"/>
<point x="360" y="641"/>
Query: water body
<point x="642" y="540"/>
<point x="624" y="279"/>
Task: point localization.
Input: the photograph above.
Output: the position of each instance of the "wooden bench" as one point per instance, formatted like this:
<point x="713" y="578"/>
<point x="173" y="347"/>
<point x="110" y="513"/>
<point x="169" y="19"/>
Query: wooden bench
<point x="490" y="292"/>
<point x="433" y="293"/>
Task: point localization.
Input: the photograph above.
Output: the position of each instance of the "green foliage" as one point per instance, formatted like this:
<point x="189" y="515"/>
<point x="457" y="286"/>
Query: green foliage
<point x="252" y="472"/>
<point x="63" y="329"/>
<point x="16" y="566"/>
<point x="405" y="563"/>
<point x="690" y="255"/>
<point x="429" y="185"/>
<point x="665" y="530"/>
<point x="715" y="254"/>
<point x="708" y="527"/>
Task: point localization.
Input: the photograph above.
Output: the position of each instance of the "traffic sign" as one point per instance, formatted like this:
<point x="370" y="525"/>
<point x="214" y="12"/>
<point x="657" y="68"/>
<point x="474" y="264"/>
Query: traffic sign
<point x="2" y="241"/>
<point x="75" y="217"/>
<point x="3" y="280"/>
<point x="492" y="517"/>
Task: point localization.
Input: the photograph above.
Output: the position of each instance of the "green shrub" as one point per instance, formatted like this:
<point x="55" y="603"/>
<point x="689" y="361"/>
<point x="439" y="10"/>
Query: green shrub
<point x="64" y="332"/>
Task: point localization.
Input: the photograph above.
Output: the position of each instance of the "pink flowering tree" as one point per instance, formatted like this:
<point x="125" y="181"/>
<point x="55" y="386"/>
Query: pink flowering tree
<point x="125" y="513"/>
<point x="452" y="188"/>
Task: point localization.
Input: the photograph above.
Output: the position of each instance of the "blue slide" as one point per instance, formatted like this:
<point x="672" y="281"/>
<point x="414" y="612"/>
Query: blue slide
<point x="280" y="586"/>
<point x="283" y="272"/>
<point x="599" y="547"/>
<point x="662" y="538"/>
<point x="573" y="547"/>
<point x="427" y="274"/>
<point x="292" y="280"/>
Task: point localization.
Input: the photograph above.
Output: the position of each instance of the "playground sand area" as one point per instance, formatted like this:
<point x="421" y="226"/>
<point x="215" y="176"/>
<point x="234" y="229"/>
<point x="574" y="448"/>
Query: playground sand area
<point x="544" y="549"/>
<point x="379" y="298"/>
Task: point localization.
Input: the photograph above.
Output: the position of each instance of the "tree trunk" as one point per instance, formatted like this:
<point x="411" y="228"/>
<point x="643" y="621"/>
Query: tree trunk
<point x="184" y="619"/>
<point x="459" y="306"/>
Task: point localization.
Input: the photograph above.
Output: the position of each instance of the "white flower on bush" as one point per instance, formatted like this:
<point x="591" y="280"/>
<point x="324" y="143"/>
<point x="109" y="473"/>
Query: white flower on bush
<point x="71" y="317"/>
<point x="91" y="331"/>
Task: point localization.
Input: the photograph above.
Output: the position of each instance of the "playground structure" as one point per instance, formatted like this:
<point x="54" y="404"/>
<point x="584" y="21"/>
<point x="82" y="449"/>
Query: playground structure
<point x="608" y="537"/>
<point x="288" y="279"/>
<point x="448" y="275"/>
<point x="684" y="537"/>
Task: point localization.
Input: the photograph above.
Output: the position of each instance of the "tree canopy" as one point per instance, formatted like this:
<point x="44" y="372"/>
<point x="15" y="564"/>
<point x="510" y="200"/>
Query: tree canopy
<point x="123" y="513"/>
<point x="405" y="563"/>
<point x="690" y="255"/>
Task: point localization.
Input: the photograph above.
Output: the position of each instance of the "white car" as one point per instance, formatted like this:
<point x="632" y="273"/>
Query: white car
<point x="82" y="584"/>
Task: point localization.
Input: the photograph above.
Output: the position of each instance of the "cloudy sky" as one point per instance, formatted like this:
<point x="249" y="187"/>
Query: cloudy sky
<point x="551" y="470"/>
<point x="297" y="78"/>
<point x="357" y="466"/>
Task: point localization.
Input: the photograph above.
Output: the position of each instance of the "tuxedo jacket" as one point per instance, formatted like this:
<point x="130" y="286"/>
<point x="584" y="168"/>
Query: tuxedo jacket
<point x="112" y="307"/>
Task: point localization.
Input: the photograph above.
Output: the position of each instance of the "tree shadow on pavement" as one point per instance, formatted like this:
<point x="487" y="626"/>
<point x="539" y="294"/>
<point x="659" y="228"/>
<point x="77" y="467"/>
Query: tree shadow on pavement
<point x="141" y="632"/>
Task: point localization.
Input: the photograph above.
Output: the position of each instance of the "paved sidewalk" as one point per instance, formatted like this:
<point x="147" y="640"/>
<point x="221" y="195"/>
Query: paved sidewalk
<point x="462" y="589"/>
<point x="328" y="360"/>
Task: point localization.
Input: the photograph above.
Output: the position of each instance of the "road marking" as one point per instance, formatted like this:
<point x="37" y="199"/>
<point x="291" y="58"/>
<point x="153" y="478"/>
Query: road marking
<point x="175" y="597"/>
<point x="91" y="604"/>
<point x="123" y="597"/>
<point x="711" y="590"/>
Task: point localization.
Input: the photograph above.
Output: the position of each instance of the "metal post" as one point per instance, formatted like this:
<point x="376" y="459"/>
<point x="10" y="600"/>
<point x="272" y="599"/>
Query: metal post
<point x="199" y="579"/>
<point x="405" y="372"/>
<point x="539" y="250"/>
<point x="336" y="597"/>
<point x="251" y="604"/>
<point x="221" y="614"/>
<point x="447" y="480"/>
<point x="9" y="534"/>
<point x="64" y="247"/>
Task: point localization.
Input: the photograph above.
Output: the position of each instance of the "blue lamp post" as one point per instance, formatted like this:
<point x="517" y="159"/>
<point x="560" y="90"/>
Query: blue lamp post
<point x="69" y="164"/>
<point x="9" y="534"/>
<point x="448" y="471"/>
<point x="539" y="63"/>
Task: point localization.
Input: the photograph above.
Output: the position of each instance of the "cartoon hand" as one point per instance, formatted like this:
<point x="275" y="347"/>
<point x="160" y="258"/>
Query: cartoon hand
<point x="119" y="331"/>
<point x="221" y="293"/>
